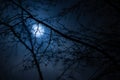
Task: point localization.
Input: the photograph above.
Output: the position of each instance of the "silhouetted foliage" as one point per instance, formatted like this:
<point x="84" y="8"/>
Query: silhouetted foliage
<point x="79" y="34"/>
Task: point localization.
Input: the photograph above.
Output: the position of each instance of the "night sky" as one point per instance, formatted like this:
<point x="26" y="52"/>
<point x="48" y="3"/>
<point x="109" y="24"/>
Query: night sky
<point x="80" y="41"/>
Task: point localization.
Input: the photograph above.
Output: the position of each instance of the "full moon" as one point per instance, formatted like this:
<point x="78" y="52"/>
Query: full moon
<point x="37" y="30"/>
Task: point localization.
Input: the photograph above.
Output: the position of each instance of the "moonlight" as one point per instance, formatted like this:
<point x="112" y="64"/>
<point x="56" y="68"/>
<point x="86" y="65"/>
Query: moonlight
<point x="37" y="30"/>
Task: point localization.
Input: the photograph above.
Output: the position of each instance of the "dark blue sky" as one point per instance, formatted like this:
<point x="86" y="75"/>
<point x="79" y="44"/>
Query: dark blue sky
<point x="91" y="21"/>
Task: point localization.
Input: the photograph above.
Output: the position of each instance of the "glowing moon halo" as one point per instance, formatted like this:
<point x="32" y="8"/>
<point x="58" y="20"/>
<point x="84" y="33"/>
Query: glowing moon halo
<point x="37" y="30"/>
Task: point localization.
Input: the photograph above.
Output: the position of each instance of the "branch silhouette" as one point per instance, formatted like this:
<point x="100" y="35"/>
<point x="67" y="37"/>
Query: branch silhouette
<point x="112" y="59"/>
<point x="30" y="49"/>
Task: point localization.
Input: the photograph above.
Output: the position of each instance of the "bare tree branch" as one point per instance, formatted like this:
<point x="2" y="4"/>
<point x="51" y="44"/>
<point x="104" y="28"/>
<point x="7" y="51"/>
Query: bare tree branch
<point x="67" y="37"/>
<point x="30" y="49"/>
